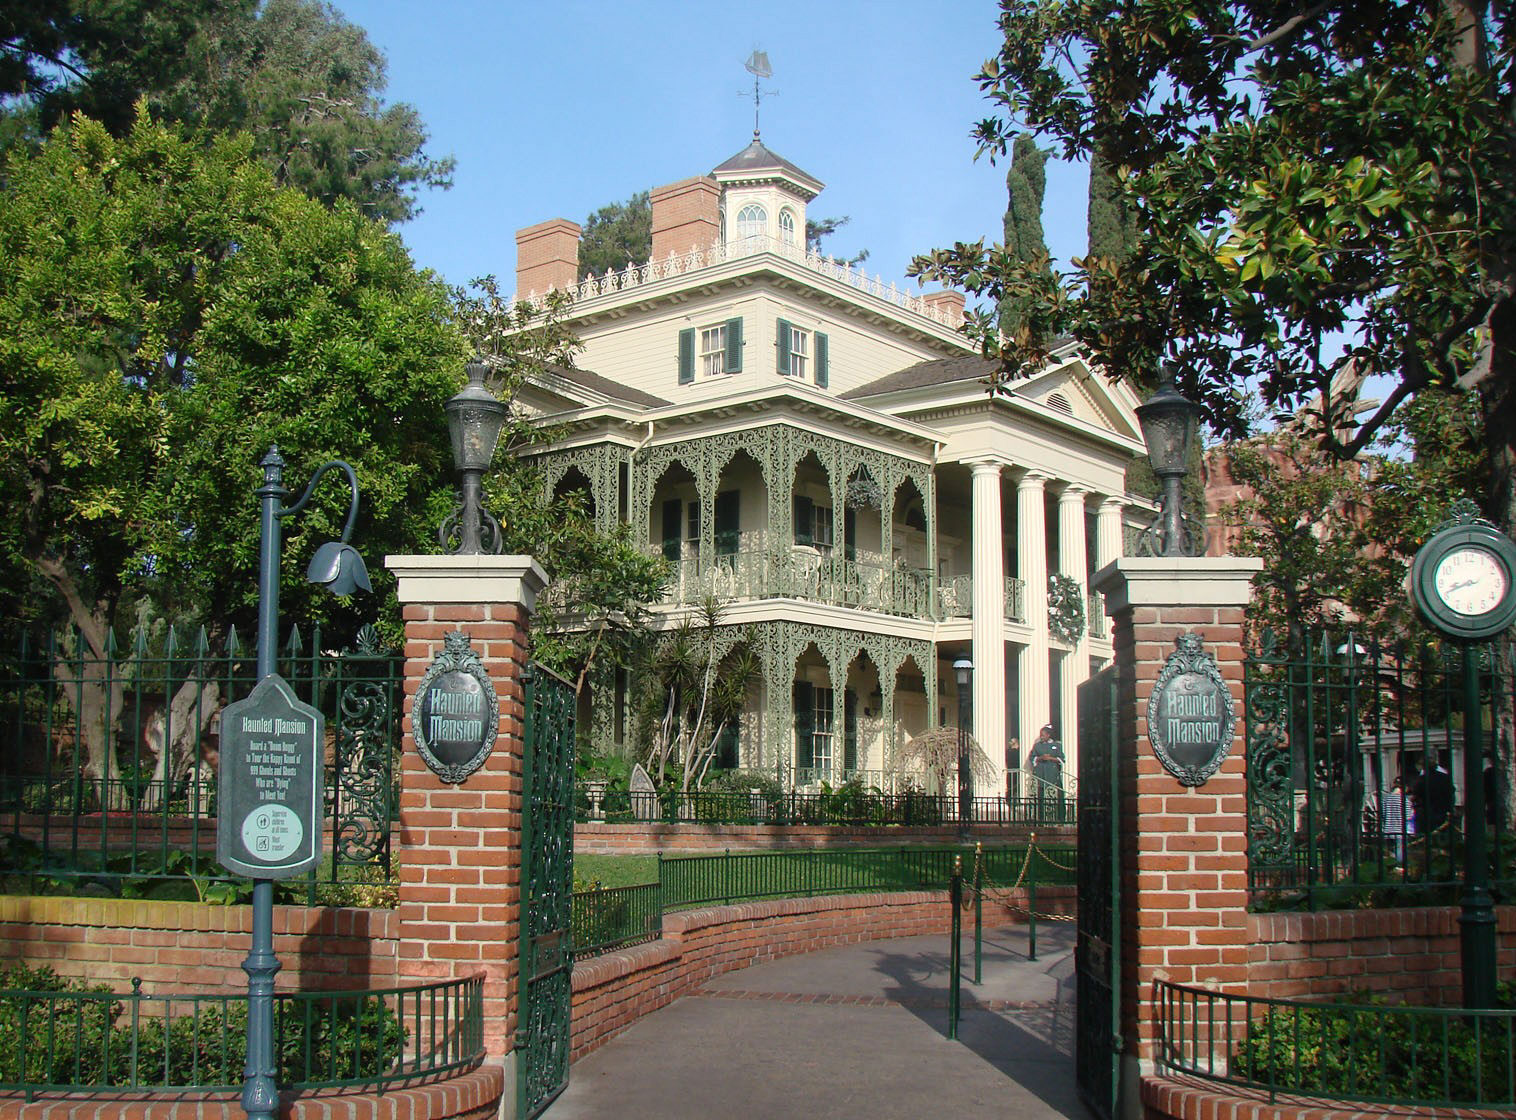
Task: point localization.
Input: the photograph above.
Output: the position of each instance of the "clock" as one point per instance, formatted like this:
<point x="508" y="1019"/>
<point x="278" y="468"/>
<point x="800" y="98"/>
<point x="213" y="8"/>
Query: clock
<point x="1463" y="580"/>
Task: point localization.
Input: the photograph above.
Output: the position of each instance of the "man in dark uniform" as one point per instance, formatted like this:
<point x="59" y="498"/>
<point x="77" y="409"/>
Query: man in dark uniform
<point x="1047" y="768"/>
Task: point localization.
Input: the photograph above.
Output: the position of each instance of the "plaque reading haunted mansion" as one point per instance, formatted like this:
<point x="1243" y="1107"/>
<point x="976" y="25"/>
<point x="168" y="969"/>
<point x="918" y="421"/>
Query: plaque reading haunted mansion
<point x="456" y="712"/>
<point x="1190" y="714"/>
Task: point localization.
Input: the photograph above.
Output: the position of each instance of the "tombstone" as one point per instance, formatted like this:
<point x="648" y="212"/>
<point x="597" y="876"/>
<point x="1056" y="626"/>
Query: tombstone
<point x="644" y="795"/>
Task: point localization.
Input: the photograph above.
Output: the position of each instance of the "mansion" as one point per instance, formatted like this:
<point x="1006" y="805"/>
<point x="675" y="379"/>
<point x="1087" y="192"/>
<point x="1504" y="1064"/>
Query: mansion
<point x="818" y="450"/>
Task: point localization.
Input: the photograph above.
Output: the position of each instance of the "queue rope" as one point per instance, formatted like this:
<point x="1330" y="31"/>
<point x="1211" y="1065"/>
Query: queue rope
<point x="1002" y="895"/>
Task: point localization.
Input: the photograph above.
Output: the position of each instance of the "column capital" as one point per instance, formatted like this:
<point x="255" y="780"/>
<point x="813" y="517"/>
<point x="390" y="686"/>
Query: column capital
<point x="1112" y="503"/>
<point x="1033" y="480"/>
<point x="1072" y="493"/>
<point x="988" y="465"/>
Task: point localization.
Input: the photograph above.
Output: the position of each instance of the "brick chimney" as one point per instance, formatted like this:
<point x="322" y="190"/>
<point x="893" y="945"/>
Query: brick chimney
<point x="949" y="303"/>
<point x="686" y="215"/>
<point x="547" y="257"/>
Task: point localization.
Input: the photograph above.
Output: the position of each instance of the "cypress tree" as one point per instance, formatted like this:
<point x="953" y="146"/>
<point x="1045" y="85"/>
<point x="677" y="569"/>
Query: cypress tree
<point x="1025" y="184"/>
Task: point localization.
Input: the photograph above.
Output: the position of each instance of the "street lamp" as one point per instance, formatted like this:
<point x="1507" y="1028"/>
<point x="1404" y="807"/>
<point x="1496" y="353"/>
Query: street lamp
<point x="1168" y="428"/>
<point x="474" y="420"/>
<point x="338" y="567"/>
<point x="963" y="669"/>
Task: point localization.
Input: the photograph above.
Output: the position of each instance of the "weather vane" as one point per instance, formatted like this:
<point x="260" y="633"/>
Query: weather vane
<point x="758" y="66"/>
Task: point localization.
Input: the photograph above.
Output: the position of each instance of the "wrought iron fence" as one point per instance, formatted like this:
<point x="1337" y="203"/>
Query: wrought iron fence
<point x="91" y="1040"/>
<point x="846" y="806"/>
<point x="610" y="918"/>
<point x="1332" y="724"/>
<point x="1362" y="1052"/>
<point x="109" y="762"/>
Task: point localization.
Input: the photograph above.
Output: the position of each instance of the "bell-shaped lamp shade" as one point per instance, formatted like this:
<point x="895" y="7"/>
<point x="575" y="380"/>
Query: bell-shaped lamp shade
<point x="962" y="669"/>
<point x="1168" y="425"/>
<point x="338" y="568"/>
<point x="474" y="420"/>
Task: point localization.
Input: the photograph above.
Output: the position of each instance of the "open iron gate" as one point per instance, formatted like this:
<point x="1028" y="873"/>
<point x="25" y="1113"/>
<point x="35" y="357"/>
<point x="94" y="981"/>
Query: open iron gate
<point x="1097" y="955"/>
<point x="547" y="884"/>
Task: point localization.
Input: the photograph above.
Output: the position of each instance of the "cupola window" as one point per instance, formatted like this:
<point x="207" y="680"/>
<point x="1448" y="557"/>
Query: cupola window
<point x="752" y="221"/>
<point x="787" y="227"/>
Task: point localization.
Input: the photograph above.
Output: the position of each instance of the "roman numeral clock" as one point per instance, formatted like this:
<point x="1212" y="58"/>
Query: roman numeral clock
<point x="1463" y="579"/>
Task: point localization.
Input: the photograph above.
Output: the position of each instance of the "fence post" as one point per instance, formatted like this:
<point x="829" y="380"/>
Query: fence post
<point x="1031" y="897"/>
<point x="955" y="898"/>
<point x="978" y="911"/>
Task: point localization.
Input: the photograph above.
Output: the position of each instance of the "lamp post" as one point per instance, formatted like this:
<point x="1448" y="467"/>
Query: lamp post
<point x="1168" y="428"/>
<point x="963" y="670"/>
<point x="474" y="420"/>
<point x="337" y="567"/>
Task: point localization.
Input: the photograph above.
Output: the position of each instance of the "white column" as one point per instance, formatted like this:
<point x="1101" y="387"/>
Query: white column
<point x="1108" y="532"/>
<point x="1032" y="568"/>
<point x="1076" y="664"/>
<point x="989" y="612"/>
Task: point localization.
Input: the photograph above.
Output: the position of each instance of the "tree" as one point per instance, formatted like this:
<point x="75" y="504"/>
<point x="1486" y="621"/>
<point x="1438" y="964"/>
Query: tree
<point x="1297" y="173"/>
<point x="1025" y="184"/>
<point x="617" y="235"/>
<point x="171" y="313"/>
<point x="294" y="73"/>
<point x="818" y="228"/>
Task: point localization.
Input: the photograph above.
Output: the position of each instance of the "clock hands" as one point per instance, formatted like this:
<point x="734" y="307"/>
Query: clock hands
<point x="1459" y="586"/>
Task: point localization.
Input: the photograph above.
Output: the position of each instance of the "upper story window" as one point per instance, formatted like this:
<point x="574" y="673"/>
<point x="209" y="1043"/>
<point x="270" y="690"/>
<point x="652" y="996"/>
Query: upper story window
<point x="787" y="226"/>
<point x="752" y="221"/>
<point x="800" y="347"/>
<point x="802" y="353"/>
<point x="713" y="350"/>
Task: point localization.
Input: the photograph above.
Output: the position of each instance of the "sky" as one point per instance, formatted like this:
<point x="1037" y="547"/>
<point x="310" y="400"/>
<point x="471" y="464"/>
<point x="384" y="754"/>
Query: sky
<point x="553" y="110"/>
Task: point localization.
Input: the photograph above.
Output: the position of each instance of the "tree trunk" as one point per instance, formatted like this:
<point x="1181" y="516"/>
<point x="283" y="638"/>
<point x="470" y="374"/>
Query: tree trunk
<point x="93" y="691"/>
<point x="174" y="738"/>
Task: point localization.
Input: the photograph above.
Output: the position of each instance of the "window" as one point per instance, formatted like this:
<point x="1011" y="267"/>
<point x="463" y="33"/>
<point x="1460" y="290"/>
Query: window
<point x="821" y="730"/>
<point x="787" y="227"/>
<point x="821" y="531"/>
<point x="713" y="351"/>
<point x="752" y="221"/>
<point x="801" y="353"/>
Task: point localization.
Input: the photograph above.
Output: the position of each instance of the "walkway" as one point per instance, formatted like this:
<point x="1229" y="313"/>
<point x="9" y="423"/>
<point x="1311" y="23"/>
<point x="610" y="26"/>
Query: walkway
<point x="857" y="1033"/>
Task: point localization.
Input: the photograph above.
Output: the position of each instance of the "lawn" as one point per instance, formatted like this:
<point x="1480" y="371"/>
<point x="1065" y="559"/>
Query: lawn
<point x="613" y="871"/>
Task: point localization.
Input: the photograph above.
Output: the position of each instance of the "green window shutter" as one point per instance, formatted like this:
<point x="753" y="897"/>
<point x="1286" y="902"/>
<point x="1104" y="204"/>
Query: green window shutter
<point x="849" y="729"/>
<point x="805" y="725"/>
<point x="804" y="517"/>
<point x="849" y="534"/>
<point x="727" y="746"/>
<point x="784" y="348"/>
<point x="687" y="356"/>
<point x="673" y="513"/>
<point x="734" y="346"/>
<point x="727" y="535"/>
<point x="821" y="360"/>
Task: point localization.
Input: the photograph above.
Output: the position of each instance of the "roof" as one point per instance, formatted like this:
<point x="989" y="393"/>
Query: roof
<point x="615" y="390"/>
<point x="939" y="371"/>
<point x="756" y="158"/>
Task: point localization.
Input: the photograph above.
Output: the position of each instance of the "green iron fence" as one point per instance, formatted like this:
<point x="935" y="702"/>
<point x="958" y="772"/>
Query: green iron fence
<point x="1362" y="1052"/>
<point x="1034" y="804"/>
<point x="607" y="918"/>
<point x="108" y="778"/>
<point x="92" y="1041"/>
<point x="1331" y="726"/>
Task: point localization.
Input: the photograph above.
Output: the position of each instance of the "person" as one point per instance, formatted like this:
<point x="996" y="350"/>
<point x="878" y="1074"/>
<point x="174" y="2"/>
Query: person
<point x="1047" y="768"/>
<point x="1013" y="771"/>
<point x="1393" y="817"/>
<point x="1433" y="794"/>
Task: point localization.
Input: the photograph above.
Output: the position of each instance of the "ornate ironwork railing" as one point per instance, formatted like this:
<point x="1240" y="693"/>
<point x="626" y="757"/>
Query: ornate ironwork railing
<point x="1332" y="725"/>
<point x="107" y="769"/>
<point x="851" y="806"/>
<point x="803" y="573"/>
<point x="1100" y="626"/>
<point x="1442" y="1057"/>
<point x="610" y="918"/>
<point x="955" y="598"/>
<point x="96" y="1041"/>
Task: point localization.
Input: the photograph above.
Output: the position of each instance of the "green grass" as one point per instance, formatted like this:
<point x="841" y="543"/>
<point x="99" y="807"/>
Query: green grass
<point x="613" y="871"/>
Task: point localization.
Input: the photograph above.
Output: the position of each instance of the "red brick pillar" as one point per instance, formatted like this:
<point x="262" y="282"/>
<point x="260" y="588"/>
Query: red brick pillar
<point x="460" y="845"/>
<point x="1184" y="873"/>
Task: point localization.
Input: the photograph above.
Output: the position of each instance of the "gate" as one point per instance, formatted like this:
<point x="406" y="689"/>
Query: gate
<point x="547" y="874"/>
<point x="1097" y="954"/>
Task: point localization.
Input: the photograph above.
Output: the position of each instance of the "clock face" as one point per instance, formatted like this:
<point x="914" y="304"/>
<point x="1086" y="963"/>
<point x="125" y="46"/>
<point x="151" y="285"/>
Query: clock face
<point x="1470" y="580"/>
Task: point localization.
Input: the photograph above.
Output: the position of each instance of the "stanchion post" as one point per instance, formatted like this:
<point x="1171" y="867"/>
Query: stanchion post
<point x="978" y="912"/>
<point x="1031" y="898"/>
<point x="955" y="898"/>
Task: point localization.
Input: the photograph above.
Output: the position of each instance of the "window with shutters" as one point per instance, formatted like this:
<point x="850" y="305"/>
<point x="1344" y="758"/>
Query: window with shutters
<point x="821" y="526"/>
<point x="800" y="348"/>
<point x="713" y="350"/>
<point x="822" y="750"/>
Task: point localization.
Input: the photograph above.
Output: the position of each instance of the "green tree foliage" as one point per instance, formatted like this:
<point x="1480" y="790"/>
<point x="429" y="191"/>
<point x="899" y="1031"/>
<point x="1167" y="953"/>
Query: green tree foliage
<point x="1297" y="173"/>
<point x="1025" y="184"/>
<point x="296" y="75"/>
<point x="1111" y="222"/>
<point x="818" y="228"/>
<point x="617" y="235"/>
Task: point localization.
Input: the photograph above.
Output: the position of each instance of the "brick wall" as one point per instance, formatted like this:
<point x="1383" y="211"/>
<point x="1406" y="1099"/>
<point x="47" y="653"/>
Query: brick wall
<point x="189" y="947"/>
<point x="1412" y="952"/>
<point x="615" y="990"/>
<point x="646" y="838"/>
<point x="547" y="257"/>
<point x="686" y="215"/>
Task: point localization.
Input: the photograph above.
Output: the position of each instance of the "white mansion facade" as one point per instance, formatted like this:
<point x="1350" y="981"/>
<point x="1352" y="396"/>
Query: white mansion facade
<point x="819" y="450"/>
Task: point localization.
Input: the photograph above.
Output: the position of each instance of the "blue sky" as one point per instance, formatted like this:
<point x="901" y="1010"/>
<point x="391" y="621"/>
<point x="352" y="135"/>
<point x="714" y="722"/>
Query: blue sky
<point x="553" y="110"/>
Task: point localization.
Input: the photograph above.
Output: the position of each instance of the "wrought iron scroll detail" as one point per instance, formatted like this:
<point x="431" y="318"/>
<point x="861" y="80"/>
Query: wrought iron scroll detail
<point x="1270" y="769"/>
<point x="364" y="795"/>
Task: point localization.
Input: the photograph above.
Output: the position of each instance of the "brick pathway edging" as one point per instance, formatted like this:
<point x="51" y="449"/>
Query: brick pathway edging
<point x="1189" y="1098"/>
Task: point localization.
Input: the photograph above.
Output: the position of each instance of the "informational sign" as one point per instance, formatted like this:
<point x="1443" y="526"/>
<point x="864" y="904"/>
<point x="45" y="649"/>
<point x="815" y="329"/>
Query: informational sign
<point x="456" y="713"/>
<point x="268" y="823"/>
<point x="1191" y="718"/>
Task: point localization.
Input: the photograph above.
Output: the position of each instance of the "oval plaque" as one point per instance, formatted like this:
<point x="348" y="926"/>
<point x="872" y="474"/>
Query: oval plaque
<point x="456" y="712"/>
<point x="1191" y="718"/>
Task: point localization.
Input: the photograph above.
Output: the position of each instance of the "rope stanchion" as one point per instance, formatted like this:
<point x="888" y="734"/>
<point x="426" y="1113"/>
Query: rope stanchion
<point x="1003" y="895"/>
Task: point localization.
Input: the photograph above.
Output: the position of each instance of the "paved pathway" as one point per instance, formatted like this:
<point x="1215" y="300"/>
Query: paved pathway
<point x="858" y="1033"/>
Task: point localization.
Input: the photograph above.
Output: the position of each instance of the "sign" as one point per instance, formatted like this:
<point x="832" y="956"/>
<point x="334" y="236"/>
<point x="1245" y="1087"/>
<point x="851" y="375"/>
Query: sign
<point x="1191" y="718"/>
<point x="456" y="713"/>
<point x="268" y="824"/>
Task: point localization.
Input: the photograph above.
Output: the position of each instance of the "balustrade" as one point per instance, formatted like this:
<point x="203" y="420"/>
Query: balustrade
<point x="802" y="572"/>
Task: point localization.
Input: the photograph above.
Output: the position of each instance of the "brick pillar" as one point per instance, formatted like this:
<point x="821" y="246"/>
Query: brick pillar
<point x="1184" y="873"/>
<point x="686" y="215"/>
<point x="460" y="845"/>
<point x="547" y="257"/>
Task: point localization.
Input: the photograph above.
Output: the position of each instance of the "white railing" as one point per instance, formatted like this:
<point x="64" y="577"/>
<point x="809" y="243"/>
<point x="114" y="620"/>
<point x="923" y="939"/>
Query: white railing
<point x="676" y="264"/>
<point x="955" y="597"/>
